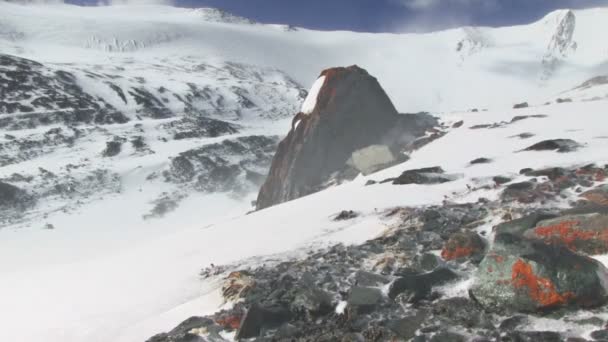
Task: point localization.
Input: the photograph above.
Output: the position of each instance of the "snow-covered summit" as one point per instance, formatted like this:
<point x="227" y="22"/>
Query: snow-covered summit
<point x="510" y="58"/>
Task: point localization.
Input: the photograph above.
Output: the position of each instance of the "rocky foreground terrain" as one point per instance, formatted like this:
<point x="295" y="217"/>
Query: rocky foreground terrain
<point x="517" y="265"/>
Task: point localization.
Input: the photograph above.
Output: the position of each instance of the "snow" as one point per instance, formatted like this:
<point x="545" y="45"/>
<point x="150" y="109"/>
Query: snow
<point x="105" y="274"/>
<point x="112" y="278"/>
<point x="510" y="59"/>
<point x="311" y="100"/>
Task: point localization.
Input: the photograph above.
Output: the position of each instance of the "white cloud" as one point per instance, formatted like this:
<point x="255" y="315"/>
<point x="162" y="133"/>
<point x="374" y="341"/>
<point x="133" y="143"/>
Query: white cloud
<point x="421" y="5"/>
<point x="135" y="2"/>
<point x="37" y="1"/>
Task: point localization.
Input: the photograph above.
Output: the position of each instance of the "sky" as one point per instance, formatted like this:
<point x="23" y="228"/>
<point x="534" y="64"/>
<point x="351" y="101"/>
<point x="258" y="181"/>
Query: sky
<point x="383" y="15"/>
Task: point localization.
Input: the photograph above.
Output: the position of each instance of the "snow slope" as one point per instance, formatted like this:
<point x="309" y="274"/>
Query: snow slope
<point x="419" y="71"/>
<point x="99" y="284"/>
<point x="106" y="274"/>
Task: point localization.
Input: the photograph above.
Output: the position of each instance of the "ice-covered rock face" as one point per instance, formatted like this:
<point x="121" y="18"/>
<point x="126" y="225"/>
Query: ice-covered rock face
<point x="219" y="16"/>
<point x="311" y="100"/>
<point x="561" y="45"/>
<point x="332" y="139"/>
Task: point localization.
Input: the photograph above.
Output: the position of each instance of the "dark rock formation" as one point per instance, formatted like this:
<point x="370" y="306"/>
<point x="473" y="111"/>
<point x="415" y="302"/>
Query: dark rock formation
<point x="428" y="175"/>
<point x="212" y="167"/>
<point x="353" y="128"/>
<point x="521" y="105"/>
<point x="559" y="145"/>
<point x="481" y="160"/>
<point x="14" y="197"/>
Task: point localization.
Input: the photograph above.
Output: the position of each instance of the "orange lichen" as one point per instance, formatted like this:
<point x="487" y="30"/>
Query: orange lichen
<point x="230" y="322"/>
<point x="456" y="253"/>
<point x="566" y="233"/>
<point x="541" y="290"/>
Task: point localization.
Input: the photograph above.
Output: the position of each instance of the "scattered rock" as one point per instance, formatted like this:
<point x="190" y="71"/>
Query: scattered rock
<point x="500" y="180"/>
<point x="522" y="192"/>
<point x="14" y="198"/>
<point x="407" y="327"/>
<point x="525" y="135"/>
<point x="364" y="298"/>
<point x="418" y="286"/>
<point x="534" y="336"/>
<point x="598" y="195"/>
<point x="346" y="215"/>
<point x="258" y="317"/>
<point x="368" y="279"/>
<point x="112" y="148"/>
<point x="480" y="161"/>
<point x="559" y="145"/>
<point x="464" y="246"/>
<point x="429" y="175"/>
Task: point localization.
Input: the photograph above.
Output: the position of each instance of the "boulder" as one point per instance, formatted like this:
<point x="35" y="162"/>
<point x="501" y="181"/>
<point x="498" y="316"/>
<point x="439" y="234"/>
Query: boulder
<point x="527" y="275"/>
<point x="310" y="298"/>
<point x="364" y="298"/>
<point x="523" y="192"/>
<point x="418" y="286"/>
<point x="407" y="327"/>
<point x="113" y="148"/>
<point x="559" y="145"/>
<point x="521" y="105"/>
<point x="258" y="317"/>
<point x="586" y="233"/>
<point x="14" y="197"/>
<point x="598" y="195"/>
<point x="427" y="175"/>
<point x="481" y="160"/>
<point x="463" y="246"/>
<point x="347" y="126"/>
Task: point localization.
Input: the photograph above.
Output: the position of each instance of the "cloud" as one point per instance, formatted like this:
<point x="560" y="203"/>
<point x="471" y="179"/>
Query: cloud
<point x="37" y="1"/>
<point x="423" y="5"/>
<point x="136" y="2"/>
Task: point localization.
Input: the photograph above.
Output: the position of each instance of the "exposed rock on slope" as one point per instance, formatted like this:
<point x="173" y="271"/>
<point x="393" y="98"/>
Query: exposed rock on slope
<point x="561" y="45"/>
<point x="352" y="128"/>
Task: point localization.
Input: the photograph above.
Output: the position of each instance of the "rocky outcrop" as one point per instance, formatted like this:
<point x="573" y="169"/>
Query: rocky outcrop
<point x="348" y="126"/>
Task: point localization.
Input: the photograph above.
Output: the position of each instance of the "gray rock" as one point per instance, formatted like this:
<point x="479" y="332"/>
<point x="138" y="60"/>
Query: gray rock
<point x="559" y="145"/>
<point x="521" y="275"/>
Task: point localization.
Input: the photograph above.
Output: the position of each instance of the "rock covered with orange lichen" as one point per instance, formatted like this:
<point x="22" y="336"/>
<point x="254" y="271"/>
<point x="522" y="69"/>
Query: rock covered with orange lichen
<point x="529" y="275"/>
<point x="463" y="246"/>
<point x="586" y="233"/>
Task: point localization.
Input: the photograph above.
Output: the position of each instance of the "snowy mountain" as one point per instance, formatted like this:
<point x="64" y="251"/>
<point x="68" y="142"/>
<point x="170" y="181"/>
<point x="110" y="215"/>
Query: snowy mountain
<point x="134" y="139"/>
